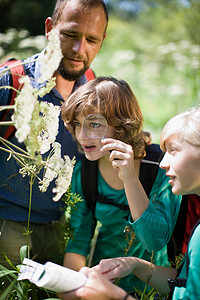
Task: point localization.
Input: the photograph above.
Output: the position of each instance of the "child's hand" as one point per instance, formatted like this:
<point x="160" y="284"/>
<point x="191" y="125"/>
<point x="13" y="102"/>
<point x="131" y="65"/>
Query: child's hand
<point x="113" y="268"/>
<point x="121" y="156"/>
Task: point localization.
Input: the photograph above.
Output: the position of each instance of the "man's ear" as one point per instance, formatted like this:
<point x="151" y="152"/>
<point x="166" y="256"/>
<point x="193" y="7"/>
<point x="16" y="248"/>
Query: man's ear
<point x="104" y="36"/>
<point x="48" y="26"/>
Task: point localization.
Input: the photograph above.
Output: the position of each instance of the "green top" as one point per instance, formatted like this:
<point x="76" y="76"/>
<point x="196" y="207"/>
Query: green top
<point x="151" y="231"/>
<point x="191" y="292"/>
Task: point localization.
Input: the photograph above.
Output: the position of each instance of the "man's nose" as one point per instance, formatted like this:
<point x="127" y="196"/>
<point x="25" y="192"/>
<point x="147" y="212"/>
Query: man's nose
<point x="79" y="46"/>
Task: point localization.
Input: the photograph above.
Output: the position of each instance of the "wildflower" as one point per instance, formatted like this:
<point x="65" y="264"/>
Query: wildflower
<point x="46" y="88"/>
<point x="24" y="107"/>
<point x="50" y="122"/>
<point x="51" y="167"/>
<point x="64" y="177"/>
<point x="52" y="56"/>
<point x="58" y="167"/>
<point x="43" y="128"/>
<point x="28" y="169"/>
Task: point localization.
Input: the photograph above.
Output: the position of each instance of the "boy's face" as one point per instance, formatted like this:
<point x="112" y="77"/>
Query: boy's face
<point x="90" y="146"/>
<point x="182" y="165"/>
<point x="82" y="32"/>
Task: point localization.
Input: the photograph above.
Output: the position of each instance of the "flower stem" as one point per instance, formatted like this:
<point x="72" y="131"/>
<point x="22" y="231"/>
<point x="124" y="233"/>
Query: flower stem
<point x="4" y="107"/>
<point x="29" y="211"/>
<point x="14" y="152"/>
<point x="6" y="143"/>
<point x="16" y="65"/>
<point x="6" y="123"/>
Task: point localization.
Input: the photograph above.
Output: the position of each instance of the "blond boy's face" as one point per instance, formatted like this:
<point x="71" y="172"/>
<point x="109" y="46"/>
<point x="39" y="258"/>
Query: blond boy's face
<point x="182" y="165"/>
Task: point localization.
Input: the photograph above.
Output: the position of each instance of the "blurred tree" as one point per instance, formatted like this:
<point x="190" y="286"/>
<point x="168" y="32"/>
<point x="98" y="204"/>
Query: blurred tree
<point x="192" y="20"/>
<point x="29" y="14"/>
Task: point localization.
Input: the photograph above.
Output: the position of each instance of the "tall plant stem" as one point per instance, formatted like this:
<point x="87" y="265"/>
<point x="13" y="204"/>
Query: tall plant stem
<point x="29" y="211"/>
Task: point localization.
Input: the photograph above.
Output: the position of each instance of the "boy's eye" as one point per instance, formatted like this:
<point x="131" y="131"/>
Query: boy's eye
<point x="95" y="125"/>
<point x="76" y="123"/>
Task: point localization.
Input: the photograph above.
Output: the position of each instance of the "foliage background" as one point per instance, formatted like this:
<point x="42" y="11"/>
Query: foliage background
<point x="153" y="45"/>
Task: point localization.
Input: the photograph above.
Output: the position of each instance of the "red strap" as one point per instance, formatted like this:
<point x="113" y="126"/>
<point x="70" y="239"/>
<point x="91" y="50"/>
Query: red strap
<point x="193" y="215"/>
<point x="89" y="74"/>
<point x="16" y="73"/>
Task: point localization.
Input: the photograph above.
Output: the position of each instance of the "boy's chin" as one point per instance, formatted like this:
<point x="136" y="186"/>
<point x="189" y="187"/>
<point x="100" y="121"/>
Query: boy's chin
<point x="92" y="156"/>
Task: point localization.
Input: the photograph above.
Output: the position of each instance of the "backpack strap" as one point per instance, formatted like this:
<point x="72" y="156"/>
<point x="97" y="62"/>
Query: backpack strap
<point x="149" y="167"/>
<point x="89" y="74"/>
<point x="15" y="72"/>
<point x="89" y="178"/>
<point x="174" y="246"/>
<point x="89" y="175"/>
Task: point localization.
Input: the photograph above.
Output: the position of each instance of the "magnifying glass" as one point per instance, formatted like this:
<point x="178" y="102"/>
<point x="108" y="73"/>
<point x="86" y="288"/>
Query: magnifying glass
<point x="95" y="126"/>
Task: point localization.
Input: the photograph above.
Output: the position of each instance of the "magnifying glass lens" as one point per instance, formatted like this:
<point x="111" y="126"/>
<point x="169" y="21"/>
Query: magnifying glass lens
<point x="95" y="126"/>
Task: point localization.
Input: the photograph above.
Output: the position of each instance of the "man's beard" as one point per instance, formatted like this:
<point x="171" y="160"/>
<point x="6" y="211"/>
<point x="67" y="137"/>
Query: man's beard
<point x="70" y="75"/>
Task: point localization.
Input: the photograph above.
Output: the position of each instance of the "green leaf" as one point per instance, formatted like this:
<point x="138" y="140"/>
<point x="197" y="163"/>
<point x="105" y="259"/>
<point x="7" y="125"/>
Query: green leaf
<point x="10" y="263"/>
<point x="24" y="252"/>
<point x="22" y="289"/>
<point x="7" y="272"/>
<point x="8" y="290"/>
<point x="33" y="293"/>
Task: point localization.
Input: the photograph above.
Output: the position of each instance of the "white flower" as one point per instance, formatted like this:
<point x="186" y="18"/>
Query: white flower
<point x="47" y="88"/>
<point x="28" y="169"/>
<point x="64" y="177"/>
<point x="24" y="107"/>
<point x="52" y="56"/>
<point x="58" y="167"/>
<point x="50" y="123"/>
<point x="43" y="128"/>
<point x="52" y="167"/>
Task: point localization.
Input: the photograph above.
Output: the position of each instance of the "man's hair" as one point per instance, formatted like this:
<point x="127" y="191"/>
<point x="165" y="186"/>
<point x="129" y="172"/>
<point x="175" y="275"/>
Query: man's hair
<point x="187" y="123"/>
<point x="60" y="5"/>
<point x="113" y="99"/>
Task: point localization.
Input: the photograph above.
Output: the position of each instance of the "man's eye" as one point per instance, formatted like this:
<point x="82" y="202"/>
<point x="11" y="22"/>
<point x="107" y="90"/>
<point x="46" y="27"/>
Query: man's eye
<point x="92" y="41"/>
<point x="68" y="34"/>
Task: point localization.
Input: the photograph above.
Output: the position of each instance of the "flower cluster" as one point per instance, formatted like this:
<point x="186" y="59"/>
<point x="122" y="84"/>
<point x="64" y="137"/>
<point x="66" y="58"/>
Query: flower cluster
<point x="24" y="107"/>
<point x="58" y="167"/>
<point x="50" y="61"/>
<point x="37" y="124"/>
<point x="43" y="128"/>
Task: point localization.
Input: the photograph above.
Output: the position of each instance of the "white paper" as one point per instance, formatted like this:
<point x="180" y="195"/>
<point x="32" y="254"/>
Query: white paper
<point x="51" y="276"/>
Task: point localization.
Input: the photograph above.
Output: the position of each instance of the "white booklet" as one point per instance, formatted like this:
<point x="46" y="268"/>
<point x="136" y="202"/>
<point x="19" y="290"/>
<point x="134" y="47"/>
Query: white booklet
<point x="51" y="276"/>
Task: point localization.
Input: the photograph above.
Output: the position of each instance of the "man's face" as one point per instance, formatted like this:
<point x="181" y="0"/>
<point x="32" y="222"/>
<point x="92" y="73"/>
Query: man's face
<point x="81" y="32"/>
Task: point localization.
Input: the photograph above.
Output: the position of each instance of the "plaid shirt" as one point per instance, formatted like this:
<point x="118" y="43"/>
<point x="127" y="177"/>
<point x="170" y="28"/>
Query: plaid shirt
<point x="14" y="189"/>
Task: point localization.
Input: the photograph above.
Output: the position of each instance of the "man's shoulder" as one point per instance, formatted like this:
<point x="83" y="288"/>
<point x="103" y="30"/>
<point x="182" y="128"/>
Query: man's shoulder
<point x="31" y="64"/>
